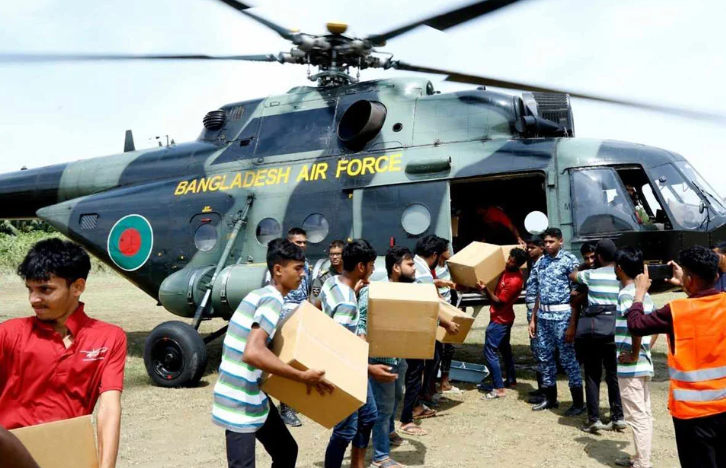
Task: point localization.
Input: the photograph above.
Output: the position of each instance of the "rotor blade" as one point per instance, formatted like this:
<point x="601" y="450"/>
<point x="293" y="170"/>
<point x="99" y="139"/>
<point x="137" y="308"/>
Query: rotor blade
<point x="480" y="80"/>
<point x="243" y="8"/>
<point x="24" y="58"/>
<point x="445" y="20"/>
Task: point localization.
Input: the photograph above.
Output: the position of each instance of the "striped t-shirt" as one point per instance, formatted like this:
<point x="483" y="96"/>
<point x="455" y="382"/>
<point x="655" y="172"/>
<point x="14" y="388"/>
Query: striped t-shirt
<point x="603" y="285"/>
<point x="423" y="271"/>
<point x="339" y="302"/>
<point x="643" y="367"/>
<point x="239" y="405"/>
<point x="442" y="272"/>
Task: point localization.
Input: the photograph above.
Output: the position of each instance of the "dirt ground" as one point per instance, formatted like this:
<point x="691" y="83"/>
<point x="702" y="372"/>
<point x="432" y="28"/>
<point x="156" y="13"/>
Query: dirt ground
<point x="168" y="428"/>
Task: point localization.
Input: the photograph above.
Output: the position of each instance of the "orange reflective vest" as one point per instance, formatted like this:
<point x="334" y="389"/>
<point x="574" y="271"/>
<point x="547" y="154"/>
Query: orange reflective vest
<point x="697" y="362"/>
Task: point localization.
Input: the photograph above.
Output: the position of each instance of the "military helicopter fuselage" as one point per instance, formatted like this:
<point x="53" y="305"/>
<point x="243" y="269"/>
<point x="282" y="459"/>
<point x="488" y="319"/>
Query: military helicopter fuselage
<point x="389" y="161"/>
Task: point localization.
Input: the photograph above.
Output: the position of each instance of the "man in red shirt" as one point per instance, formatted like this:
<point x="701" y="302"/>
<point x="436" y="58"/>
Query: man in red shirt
<point x="58" y="363"/>
<point x="498" y="333"/>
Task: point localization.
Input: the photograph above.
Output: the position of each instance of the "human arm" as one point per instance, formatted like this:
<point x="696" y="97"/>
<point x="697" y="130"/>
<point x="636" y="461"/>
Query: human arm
<point x="580" y="277"/>
<point x="363" y="313"/>
<point x="533" y="322"/>
<point x="443" y="283"/>
<point x="640" y="323"/>
<point x="677" y="278"/>
<point x="653" y="340"/>
<point x="12" y="453"/>
<point x="108" y="431"/>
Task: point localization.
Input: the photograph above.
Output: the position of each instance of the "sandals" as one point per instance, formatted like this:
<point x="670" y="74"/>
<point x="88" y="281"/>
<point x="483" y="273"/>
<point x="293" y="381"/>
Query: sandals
<point x="387" y="463"/>
<point x="425" y="414"/>
<point x="396" y="440"/>
<point x="493" y="395"/>
<point x="414" y="431"/>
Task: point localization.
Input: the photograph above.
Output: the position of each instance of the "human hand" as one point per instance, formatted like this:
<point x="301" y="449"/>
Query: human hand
<point x="360" y="285"/>
<point x="677" y="279"/>
<point x="381" y="373"/>
<point x="625" y="358"/>
<point x="316" y="379"/>
<point x="570" y="334"/>
<point x="643" y="283"/>
<point x="452" y="328"/>
<point x="532" y="329"/>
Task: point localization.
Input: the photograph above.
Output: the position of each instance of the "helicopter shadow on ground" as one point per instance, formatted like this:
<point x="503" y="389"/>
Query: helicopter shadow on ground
<point x="603" y="451"/>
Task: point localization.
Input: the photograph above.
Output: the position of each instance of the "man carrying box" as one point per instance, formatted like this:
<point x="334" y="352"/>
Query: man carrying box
<point x="400" y="269"/>
<point x="59" y="363"/>
<point x="499" y="329"/>
<point x="551" y="282"/>
<point x="339" y="301"/>
<point x="239" y="406"/>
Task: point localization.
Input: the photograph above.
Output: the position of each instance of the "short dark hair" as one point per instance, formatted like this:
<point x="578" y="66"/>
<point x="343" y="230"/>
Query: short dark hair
<point x="606" y="250"/>
<point x="431" y="245"/>
<point x="586" y="248"/>
<point x="280" y="251"/>
<point x="296" y="231"/>
<point x="64" y="259"/>
<point x="536" y="240"/>
<point x="336" y="244"/>
<point x="519" y="256"/>
<point x="630" y="260"/>
<point x="721" y="246"/>
<point x="552" y="232"/>
<point x="357" y="251"/>
<point x="700" y="261"/>
<point x="395" y="256"/>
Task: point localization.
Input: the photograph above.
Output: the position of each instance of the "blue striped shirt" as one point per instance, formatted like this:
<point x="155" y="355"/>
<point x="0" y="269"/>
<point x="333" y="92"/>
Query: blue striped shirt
<point x="239" y="404"/>
<point x="339" y="302"/>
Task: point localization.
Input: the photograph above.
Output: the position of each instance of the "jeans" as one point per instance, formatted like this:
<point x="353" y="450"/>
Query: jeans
<point x="273" y="435"/>
<point x="595" y="356"/>
<point x="400" y="382"/>
<point x="551" y="338"/>
<point x="355" y="428"/>
<point x="700" y="441"/>
<point x="497" y="339"/>
<point x="384" y="394"/>
<point x="414" y="376"/>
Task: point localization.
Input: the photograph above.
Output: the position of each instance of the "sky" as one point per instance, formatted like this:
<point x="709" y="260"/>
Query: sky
<point x="658" y="51"/>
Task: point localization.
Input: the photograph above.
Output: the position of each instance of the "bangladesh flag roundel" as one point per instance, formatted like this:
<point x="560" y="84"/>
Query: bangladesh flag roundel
<point x="130" y="242"/>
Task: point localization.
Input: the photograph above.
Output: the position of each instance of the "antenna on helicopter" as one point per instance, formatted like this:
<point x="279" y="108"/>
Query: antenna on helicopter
<point x="129" y="142"/>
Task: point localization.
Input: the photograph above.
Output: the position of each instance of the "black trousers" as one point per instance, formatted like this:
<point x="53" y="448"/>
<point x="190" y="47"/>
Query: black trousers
<point x="701" y="442"/>
<point x="595" y="356"/>
<point x="414" y="379"/>
<point x="273" y="435"/>
<point x="431" y="370"/>
<point x="446" y="357"/>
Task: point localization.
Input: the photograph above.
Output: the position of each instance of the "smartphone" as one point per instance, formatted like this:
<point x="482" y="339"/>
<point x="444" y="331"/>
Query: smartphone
<point x="658" y="272"/>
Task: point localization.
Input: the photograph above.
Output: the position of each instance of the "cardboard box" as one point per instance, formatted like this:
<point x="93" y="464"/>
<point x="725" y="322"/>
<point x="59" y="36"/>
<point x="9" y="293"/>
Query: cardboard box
<point x="402" y="320"/>
<point x="61" y="444"/>
<point x="479" y="262"/>
<point x="464" y="320"/>
<point x="309" y="339"/>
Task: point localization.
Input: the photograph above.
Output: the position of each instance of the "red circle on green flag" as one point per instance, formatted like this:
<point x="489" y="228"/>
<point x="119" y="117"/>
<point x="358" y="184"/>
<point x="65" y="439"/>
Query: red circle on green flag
<point x="130" y="242"/>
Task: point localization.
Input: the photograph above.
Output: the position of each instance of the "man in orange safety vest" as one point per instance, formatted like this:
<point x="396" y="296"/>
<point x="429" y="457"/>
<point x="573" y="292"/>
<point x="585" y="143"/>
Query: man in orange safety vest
<point x="696" y="329"/>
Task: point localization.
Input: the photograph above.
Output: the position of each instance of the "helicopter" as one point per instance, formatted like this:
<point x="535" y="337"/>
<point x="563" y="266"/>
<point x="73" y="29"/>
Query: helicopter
<point x="388" y="160"/>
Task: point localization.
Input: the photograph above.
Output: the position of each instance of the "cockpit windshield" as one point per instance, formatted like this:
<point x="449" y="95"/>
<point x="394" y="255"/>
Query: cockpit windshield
<point x="682" y="199"/>
<point x="694" y="177"/>
<point x="600" y="203"/>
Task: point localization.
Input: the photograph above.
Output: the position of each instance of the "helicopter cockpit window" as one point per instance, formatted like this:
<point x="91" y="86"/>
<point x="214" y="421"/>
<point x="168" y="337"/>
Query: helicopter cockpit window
<point x="316" y="227"/>
<point x="682" y="199"/>
<point x="692" y="175"/>
<point x="205" y="237"/>
<point x="600" y="203"/>
<point x="268" y="229"/>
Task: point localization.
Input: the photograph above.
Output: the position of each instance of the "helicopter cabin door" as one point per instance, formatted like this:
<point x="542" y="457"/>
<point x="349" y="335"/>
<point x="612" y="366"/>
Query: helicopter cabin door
<point x="401" y="214"/>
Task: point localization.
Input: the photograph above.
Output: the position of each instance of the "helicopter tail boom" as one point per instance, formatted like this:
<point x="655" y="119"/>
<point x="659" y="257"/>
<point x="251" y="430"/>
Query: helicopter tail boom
<point x="24" y="192"/>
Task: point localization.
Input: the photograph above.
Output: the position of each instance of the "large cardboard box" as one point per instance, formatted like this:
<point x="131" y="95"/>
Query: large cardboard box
<point x="309" y="339"/>
<point x="464" y="320"/>
<point x="61" y="444"/>
<point x="402" y="320"/>
<point x="479" y="262"/>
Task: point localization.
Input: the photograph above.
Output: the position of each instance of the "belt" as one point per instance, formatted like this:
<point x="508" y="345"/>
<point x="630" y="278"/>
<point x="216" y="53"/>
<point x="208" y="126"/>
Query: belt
<point x="530" y="305"/>
<point x="554" y="308"/>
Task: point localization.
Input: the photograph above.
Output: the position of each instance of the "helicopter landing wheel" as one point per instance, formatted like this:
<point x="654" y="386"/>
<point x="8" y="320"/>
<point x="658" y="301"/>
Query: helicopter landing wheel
<point x="175" y="355"/>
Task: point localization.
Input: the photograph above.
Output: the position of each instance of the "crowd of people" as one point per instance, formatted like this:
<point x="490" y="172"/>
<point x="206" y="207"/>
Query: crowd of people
<point x="590" y="315"/>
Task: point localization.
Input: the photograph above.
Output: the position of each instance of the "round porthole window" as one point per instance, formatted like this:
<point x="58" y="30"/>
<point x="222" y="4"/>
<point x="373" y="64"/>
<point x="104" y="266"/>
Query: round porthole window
<point x="267" y="230"/>
<point x="416" y="219"/>
<point x="317" y="228"/>
<point x="205" y="237"/>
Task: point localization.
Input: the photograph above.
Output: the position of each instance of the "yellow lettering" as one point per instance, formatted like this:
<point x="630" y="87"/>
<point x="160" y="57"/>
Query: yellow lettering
<point x="342" y="165"/>
<point x="380" y="168"/>
<point x="203" y="185"/>
<point x="304" y="174"/>
<point x="192" y="187"/>
<point x="249" y="179"/>
<point x="181" y="187"/>
<point x="319" y="171"/>
<point x="224" y="181"/>
<point x="214" y="183"/>
<point x="395" y="159"/>
<point x="260" y="178"/>
<point x="271" y="177"/>
<point x="283" y="173"/>
<point x="237" y="182"/>
<point x="368" y="164"/>
<point x="354" y="172"/>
